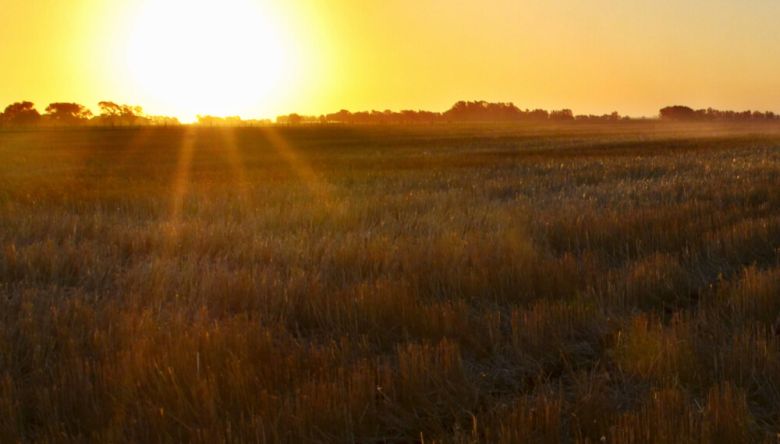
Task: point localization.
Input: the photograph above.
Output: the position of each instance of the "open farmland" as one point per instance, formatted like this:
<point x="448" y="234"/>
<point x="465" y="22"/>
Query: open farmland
<point x="572" y="283"/>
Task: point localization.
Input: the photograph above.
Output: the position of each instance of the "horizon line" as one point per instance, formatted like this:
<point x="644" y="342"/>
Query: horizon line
<point x="115" y="110"/>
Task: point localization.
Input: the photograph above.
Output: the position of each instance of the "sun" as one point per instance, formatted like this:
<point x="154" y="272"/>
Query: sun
<point x="219" y="57"/>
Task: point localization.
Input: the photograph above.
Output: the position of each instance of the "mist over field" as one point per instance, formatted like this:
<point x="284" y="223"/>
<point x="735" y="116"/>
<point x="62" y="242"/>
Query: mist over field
<point x="539" y="282"/>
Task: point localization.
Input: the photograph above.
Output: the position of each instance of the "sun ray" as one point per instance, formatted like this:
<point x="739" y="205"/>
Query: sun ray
<point x="320" y="190"/>
<point x="235" y="162"/>
<point x="180" y="184"/>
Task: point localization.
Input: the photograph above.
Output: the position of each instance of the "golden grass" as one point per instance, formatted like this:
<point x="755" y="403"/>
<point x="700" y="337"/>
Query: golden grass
<point x="581" y="283"/>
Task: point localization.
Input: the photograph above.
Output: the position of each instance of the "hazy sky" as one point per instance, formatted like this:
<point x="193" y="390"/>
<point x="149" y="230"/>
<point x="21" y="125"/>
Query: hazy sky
<point x="264" y="57"/>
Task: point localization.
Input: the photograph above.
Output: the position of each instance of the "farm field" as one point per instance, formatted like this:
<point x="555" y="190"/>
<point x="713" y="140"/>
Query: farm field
<point x="456" y="284"/>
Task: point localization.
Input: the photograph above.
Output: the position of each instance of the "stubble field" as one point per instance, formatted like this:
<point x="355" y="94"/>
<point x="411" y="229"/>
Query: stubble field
<point x="578" y="283"/>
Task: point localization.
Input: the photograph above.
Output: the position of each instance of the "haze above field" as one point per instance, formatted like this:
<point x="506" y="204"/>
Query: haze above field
<point x="260" y="58"/>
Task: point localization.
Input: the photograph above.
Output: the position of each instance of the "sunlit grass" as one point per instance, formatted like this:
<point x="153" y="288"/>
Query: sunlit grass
<point x="337" y="284"/>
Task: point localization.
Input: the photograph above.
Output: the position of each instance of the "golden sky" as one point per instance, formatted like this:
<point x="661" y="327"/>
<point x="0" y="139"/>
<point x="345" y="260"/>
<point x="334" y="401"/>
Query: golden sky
<point x="260" y="58"/>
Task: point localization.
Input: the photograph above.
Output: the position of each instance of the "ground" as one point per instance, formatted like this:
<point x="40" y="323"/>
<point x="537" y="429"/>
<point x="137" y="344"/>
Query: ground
<point x="569" y="283"/>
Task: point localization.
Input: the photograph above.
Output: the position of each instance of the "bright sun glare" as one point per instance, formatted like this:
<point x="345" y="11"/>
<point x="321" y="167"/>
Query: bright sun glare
<point x="220" y="57"/>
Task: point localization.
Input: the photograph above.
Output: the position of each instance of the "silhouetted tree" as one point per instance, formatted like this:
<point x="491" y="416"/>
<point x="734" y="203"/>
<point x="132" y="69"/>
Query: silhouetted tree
<point x="110" y="113"/>
<point x="68" y="113"/>
<point x="110" y="109"/>
<point x="482" y="111"/>
<point x="677" y="112"/>
<point x="564" y="114"/>
<point x="342" y="116"/>
<point x="20" y="114"/>
<point x="114" y="114"/>
<point x="294" y="119"/>
<point x="298" y="119"/>
<point x="537" y="114"/>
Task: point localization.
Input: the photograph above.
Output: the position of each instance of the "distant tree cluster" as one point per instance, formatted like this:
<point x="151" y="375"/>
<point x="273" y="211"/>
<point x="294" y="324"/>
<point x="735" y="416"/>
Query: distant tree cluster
<point x="481" y="111"/>
<point x="614" y="117"/>
<point x="24" y="114"/>
<point x="684" y="113"/>
<point x="463" y="111"/>
<point x="230" y="121"/>
<point x="20" y="114"/>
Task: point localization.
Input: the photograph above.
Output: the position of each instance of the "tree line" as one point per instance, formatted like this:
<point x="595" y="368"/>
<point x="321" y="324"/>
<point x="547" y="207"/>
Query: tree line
<point x="462" y="111"/>
<point x="482" y="111"/>
<point x="685" y="113"/>
<point x="24" y="114"/>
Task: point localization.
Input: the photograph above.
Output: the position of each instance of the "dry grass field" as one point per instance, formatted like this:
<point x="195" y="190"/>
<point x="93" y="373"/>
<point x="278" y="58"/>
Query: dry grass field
<point x="496" y="284"/>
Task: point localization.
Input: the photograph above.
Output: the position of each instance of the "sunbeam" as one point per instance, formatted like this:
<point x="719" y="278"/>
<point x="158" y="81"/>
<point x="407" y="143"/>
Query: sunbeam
<point x="181" y="183"/>
<point x="320" y="190"/>
<point x="235" y="162"/>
